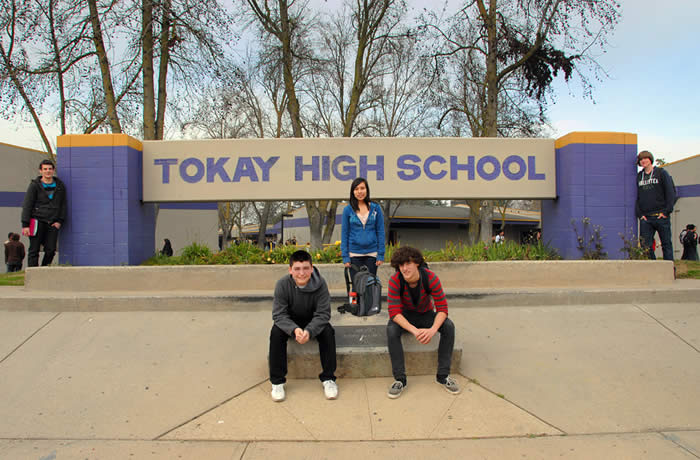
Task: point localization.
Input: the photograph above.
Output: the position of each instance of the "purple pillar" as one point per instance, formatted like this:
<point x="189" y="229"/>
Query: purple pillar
<point x="596" y="174"/>
<point x="107" y="223"/>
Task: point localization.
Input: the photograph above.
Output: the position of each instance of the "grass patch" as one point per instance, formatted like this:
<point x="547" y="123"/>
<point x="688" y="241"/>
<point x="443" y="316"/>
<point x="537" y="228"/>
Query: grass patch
<point x="12" y="279"/>
<point x="687" y="269"/>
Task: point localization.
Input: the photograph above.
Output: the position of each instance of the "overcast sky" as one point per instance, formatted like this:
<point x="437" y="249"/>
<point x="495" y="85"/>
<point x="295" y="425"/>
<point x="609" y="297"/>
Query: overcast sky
<point x="654" y="65"/>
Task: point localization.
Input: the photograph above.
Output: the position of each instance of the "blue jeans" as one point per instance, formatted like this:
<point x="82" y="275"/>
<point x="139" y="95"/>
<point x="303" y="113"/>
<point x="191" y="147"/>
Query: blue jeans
<point x="654" y="224"/>
<point x="367" y="261"/>
<point x="16" y="267"/>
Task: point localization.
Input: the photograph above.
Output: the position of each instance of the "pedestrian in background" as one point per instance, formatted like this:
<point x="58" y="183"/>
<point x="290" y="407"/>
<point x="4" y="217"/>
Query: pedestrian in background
<point x="690" y="243"/>
<point x="14" y="254"/>
<point x="167" y="248"/>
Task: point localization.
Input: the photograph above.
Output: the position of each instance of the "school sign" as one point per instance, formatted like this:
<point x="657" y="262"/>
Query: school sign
<point x="304" y="169"/>
<point x="115" y="180"/>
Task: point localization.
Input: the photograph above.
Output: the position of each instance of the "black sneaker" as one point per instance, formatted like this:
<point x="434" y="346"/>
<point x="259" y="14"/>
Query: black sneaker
<point x="450" y="385"/>
<point x="395" y="389"/>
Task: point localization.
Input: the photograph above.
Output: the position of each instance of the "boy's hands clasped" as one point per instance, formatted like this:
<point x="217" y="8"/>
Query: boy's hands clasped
<point x="301" y="336"/>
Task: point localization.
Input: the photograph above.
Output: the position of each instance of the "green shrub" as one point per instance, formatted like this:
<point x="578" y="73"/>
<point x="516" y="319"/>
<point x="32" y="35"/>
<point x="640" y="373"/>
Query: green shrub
<point x="195" y="254"/>
<point x="246" y="253"/>
<point x="328" y="255"/>
<point x="160" y="259"/>
<point x="632" y="246"/>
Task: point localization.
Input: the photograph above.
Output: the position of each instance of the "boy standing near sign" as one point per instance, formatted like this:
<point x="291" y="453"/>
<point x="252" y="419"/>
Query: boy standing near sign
<point x="44" y="209"/>
<point x="412" y="291"/>
<point x="301" y="309"/>
<point x="655" y="199"/>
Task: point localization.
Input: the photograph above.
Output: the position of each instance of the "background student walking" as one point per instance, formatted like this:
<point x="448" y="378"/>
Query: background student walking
<point x="14" y="254"/>
<point x="362" y="232"/>
<point x="690" y="243"/>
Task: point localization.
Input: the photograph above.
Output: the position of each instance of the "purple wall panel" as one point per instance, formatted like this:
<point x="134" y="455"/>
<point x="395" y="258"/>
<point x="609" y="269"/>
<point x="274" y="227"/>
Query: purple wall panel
<point x="107" y="225"/>
<point x="594" y="181"/>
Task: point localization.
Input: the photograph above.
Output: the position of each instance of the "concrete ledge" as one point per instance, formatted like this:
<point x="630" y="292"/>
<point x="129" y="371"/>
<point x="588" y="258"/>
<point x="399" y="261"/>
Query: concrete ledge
<point x="458" y="275"/>
<point x="362" y="356"/>
<point x="20" y="299"/>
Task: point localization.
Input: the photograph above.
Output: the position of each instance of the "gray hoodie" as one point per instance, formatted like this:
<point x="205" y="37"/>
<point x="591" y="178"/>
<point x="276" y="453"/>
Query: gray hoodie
<point x="307" y="307"/>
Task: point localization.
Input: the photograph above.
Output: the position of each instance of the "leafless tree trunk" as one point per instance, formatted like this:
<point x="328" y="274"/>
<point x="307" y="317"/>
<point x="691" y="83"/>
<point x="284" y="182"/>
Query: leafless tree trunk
<point x="149" y="106"/>
<point x="389" y="214"/>
<point x="105" y="69"/>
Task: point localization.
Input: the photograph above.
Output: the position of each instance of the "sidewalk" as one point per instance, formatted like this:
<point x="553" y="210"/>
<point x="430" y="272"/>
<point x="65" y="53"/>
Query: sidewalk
<point x="606" y="381"/>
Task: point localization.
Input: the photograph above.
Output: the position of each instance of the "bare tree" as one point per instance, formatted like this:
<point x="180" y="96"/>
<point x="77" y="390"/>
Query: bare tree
<point x="502" y="207"/>
<point x="504" y="55"/>
<point x="358" y="43"/>
<point x="288" y="25"/>
<point x="180" y="37"/>
<point x="16" y="27"/>
<point x="229" y="214"/>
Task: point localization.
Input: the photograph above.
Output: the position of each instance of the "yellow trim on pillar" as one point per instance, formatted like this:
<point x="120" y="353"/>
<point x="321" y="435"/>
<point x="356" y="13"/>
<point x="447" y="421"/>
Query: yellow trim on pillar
<point x="596" y="137"/>
<point x="99" y="140"/>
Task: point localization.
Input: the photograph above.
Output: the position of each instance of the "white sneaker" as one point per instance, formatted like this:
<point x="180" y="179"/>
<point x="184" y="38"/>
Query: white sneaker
<point x="330" y="388"/>
<point x="278" y="392"/>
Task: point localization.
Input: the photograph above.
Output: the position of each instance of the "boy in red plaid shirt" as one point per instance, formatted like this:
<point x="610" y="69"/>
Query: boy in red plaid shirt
<point x="417" y="305"/>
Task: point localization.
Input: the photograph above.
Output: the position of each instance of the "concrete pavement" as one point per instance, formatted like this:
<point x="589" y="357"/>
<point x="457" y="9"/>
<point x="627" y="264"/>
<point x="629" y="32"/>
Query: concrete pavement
<point x="606" y="381"/>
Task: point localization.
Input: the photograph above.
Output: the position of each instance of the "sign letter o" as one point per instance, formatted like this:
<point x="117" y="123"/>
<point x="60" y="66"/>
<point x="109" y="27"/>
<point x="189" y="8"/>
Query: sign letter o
<point x="199" y="170"/>
<point x="482" y="171"/>
<point x="522" y="168"/>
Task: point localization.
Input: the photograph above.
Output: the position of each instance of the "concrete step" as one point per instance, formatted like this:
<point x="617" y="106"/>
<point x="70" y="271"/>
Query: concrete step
<point x="453" y="275"/>
<point x="362" y="351"/>
<point x="21" y="299"/>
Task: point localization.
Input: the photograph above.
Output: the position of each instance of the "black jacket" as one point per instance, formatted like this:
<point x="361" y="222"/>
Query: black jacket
<point x="37" y="204"/>
<point x="655" y="193"/>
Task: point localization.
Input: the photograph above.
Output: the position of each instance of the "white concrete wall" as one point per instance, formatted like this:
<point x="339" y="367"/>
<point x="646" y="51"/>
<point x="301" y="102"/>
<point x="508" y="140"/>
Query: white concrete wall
<point x="19" y="166"/>
<point x="687" y="210"/>
<point x="186" y="226"/>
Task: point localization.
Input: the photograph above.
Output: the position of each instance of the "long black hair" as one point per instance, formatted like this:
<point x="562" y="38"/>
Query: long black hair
<point x="353" y="200"/>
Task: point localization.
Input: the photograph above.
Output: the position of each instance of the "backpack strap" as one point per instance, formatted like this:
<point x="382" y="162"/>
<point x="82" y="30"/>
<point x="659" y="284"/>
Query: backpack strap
<point x="424" y="279"/>
<point x="348" y="281"/>
<point x="348" y="308"/>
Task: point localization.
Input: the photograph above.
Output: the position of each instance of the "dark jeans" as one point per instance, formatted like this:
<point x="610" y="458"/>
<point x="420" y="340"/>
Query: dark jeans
<point x="46" y="236"/>
<point x="16" y="267"/>
<point x="367" y="261"/>
<point x="651" y="225"/>
<point x="278" y="354"/>
<point x="421" y="321"/>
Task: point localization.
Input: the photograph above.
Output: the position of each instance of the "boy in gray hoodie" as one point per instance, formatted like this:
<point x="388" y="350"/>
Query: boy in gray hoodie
<point x="301" y="309"/>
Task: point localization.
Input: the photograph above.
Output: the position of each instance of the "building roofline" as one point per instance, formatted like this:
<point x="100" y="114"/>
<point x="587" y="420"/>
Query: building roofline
<point x="681" y="160"/>
<point x="23" y="148"/>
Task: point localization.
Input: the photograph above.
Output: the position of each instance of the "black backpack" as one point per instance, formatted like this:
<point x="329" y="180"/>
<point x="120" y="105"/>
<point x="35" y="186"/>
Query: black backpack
<point x="369" y="292"/>
<point x="676" y="194"/>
